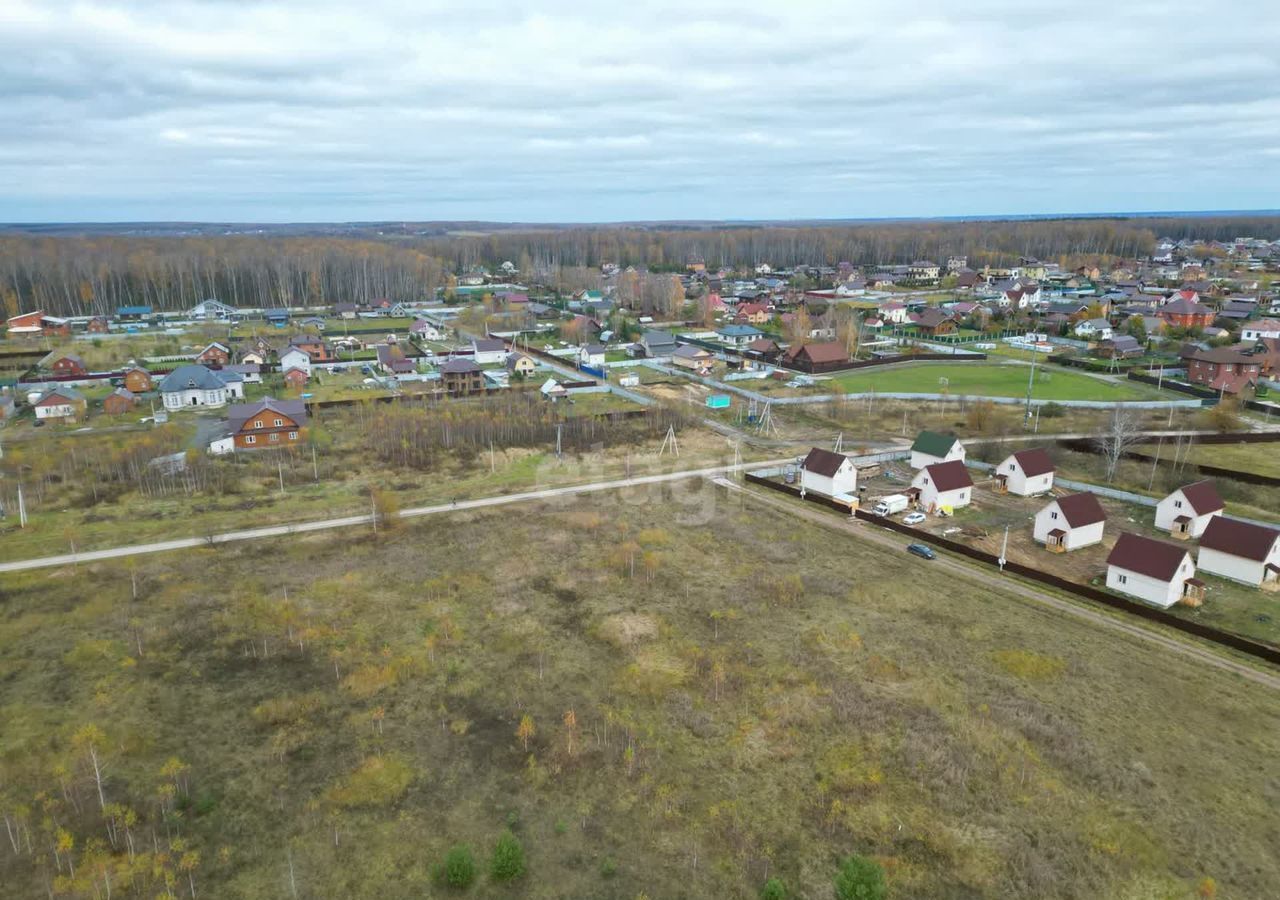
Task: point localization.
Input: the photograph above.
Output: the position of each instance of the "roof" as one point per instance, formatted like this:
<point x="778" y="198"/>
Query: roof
<point x="239" y="413"/>
<point x="949" y="476"/>
<point x="1081" y="509"/>
<point x="1203" y="497"/>
<point x="1147" y="556"/>
<point x="824" y="462"/>
<point x="763" y="345"/>
<point x="488" y="344"/>
<point x="65" y="393"/>
<point x="689" y="351"/>
<point x="738" y="330"/>
<point x="827" y="351"/>
<point x="933" y="317"/>
<point x="594" y="349"/>
<point x="1237" y="538"/>
<point x="1034" y="462"/>
<point x="658" y="337"/>
<point x="186" y="378"/>
<point x="458" y="365"/>
<point x="934" y="443"/>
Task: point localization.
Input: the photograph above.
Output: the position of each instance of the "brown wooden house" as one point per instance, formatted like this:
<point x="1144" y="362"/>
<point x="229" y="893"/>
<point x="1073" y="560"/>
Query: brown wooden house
<point x="267" y="424"/>
<point x="820" y="357"/>
<point x="296" y="378"/>
<point x="119" y="402"/>
<point x="68" y="364"/>
<point x="138" y="380"/>
<point x="214" y="355"/>
<point x="98" y="325"/>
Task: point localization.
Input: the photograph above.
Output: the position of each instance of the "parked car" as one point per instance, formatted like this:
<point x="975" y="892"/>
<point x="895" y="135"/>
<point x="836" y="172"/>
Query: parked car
<point x="921" y="551"/>
<point x="914" y="518"/>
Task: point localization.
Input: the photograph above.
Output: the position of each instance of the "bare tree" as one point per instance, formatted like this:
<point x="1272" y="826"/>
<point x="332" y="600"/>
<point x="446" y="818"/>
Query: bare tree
<point x="1121" y="431"/>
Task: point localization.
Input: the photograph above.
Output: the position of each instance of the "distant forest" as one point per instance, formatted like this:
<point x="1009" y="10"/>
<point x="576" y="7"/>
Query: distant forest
<point x="94" y="274"/>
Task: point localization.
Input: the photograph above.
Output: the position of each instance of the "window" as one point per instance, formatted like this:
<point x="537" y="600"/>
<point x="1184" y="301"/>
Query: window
<point x="251" y="439"/>
<point x="1177" y="504"/>
<point x="273" y="438"/>
<point x="293" y="435"/>
<point x="1054" y="516"/>
<point x="279" y="422"/>
<point x="1122" y="579"/>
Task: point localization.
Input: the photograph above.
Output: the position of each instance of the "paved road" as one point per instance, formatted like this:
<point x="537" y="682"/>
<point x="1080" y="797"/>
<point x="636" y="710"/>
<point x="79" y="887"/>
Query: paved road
<point x="272" y="531"/>
<point x="1010" y="585"/>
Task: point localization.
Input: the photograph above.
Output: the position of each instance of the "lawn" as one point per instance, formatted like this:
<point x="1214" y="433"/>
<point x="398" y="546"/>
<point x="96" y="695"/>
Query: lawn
<point x="1260" y="459"/>
<point x="985" y="380"/>
<point x="665" y="694"/>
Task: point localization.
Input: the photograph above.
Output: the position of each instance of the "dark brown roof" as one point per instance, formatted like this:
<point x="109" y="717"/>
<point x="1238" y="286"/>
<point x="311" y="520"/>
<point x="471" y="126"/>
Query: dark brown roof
<point x="457" y="365"/>
<point x="1081" y="509"/>
<point x="948" y="476"/>
<point x="1203" y="497"/>
<point x="1147" y="556"/>
<point x="824" y="462"/>
<point x="1034" y="462"/>
<point x="239" y="413"/>
<point x="933" y="317"/>
<point x="1237" y="538"/>
<point x="828" y="351"/>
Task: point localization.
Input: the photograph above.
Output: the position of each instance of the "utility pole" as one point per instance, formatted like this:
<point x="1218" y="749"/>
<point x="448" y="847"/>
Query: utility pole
<point x="22" y="509"/>
<point x="1152" y="480"/>
<point x="1031" y="379"/>
<point x="315" y="466"/>
<point x="280" y="469"/>
<point x="1004" y="548"/>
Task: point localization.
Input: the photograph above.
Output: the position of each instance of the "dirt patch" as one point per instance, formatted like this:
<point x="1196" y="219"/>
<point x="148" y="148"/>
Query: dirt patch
<point x="628" y="629"/>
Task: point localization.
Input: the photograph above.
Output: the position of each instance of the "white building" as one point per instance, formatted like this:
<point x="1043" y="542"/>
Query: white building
<point x="943" y="485"/>
<point x="1263" y="328"/>
<point x="489" y="351"/>
<point x="213" y="311"/>
<point x="427" y="331"/>
<point x="1187" y="511"/>
<point x="1026" y="473"/>
<point x="1070" y="522"/>
<point x="190" y="386"/>
<point x="933" y="447"/>
<point x="61" y="404"/>
<point x="591" y="355"/>
<point x="829" y="474"/>
<point x="1241" y="551"/>
<point x="1155" y="572"/>
<point x="295" y="358"/>
<point x="1094" y="329"/>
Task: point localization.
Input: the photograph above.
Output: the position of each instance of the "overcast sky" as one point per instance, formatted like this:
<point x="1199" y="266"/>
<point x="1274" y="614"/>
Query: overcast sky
<point x="311" y="110"/>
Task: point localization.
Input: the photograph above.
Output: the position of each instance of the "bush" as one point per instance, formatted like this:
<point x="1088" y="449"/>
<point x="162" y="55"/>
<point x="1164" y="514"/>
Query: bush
<point x="508" y="859"/>
<point x="459" y="868"/>
<point x="1052" y="411"/>
<point x="608" y="868"/>
<point x="860" y="878"/>
<point x="773" y="889"/>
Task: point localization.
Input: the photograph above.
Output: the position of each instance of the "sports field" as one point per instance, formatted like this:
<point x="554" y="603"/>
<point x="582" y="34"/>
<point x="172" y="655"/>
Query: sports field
<point x="988" y="379"/>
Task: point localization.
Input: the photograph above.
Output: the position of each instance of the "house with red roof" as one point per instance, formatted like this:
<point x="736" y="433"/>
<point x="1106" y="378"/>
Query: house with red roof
<point x="1026" y="473"/>
<point x="942" y="485"/>
<point x="1185" y="311"/>
<point x="1186" y="512"/>
<point x="1070" y="522"/>
<point x="1229" y="370"/>
<point x="1153" y="571"/>
<point x="1241" y="551"/>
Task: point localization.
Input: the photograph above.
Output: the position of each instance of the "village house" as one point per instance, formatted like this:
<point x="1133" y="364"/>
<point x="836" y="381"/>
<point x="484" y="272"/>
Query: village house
<point x="296" y="379"/>
<point x="214" y="355"/>
<point x="61" y="404"/>
<point x="829" y="474"/>
<point x="346" y="310"/>
<point x="738" y="335"/>
<point x="1241" y="551"/>
<point x="119" y="402"/>
<point x="923" y="270"/>
<point x="894" y="312"/>
<point x="751" y="314"/>
<point x="520" y="365"/>
<point x="391" y="359"/>
<point x="766" y="348"/>
<point x="489" y="351"/>
<point x="195" y="385"/>
<point x="25" y="325"/>
<point x="68" y="365"/>
<point x="934" y="447"/>
<point x="133" y="313"/>
<point x="942" y="486"/>
<point x="658" y="343"/>
<point x="1093" y="329"/>
<point x="591" y="355"/>
<point x="1070" y="522"/>
<point x="1120" y="346"/>
<point x="425" y="331"/>
<point x="1026" y="473"/>
<point x="55" y="326"/>
<point x="1187" y="511"/>
<point x="267" y="424"/>
<point x="1263" y="328"/>
<point x="1231" y="370"/>
<point x="295" y="358"/>
<point x="98" y="325"/>
<point x="698" y="359"/>
<point x="460" y="376"/>
<point x="137" y="380"/>
<point x="212" y="311"/>
<point x="933" y="321"/>
<point x="1182" y="312"/>
<point x="1152" y="571"/>
<point x="819" y="357"/>
<point x="315" y="347"/>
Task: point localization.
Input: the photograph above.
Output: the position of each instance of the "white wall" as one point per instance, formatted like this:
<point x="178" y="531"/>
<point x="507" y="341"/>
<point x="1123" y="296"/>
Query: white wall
<point x="1075" y="538"/>
<point x="920" y="460"/>
<point x="844" y="482"/>
<point x="1176" y="505"/>
<point x="1237" y="568"/>
<point x="1148" y="589"/>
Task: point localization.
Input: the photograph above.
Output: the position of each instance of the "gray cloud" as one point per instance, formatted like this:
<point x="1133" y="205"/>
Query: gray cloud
<point x="320" y="109"/>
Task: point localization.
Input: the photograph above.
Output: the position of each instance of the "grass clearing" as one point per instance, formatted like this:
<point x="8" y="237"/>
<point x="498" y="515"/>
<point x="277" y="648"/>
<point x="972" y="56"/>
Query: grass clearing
<point x="722" y="731"/>
<point x="985" y="380"/>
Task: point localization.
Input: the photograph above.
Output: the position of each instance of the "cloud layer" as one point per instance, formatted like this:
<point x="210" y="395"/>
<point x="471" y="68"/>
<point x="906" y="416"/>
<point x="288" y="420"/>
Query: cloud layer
<point x="308" y="110"/>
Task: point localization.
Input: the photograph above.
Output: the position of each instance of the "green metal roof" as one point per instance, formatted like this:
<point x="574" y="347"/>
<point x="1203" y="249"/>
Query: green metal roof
<point x="934" y="443"/>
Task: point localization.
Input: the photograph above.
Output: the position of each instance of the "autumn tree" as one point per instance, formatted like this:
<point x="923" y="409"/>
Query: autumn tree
<point x="526" y="730"/>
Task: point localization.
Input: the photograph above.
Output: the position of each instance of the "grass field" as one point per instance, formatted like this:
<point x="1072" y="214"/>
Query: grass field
<point x="705" y="708"/>
<point x="1260" y="459"/>
<point x="986" y="380"/>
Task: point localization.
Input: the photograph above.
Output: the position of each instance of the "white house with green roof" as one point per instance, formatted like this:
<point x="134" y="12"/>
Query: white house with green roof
<point x="935" y="447"/>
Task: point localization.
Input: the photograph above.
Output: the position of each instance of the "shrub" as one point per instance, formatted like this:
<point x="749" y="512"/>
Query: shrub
<point x="459" y="868"/>
<point x="860" y="878"/>
<point x="1052" y="411"/>
<point x="773" y="889"/>
<point x="508" y="858"/>
<point x="608" y="868"/>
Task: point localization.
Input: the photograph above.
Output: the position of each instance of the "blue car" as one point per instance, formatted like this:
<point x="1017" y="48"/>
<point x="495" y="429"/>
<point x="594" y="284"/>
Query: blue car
<point x="921" y="551"/>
